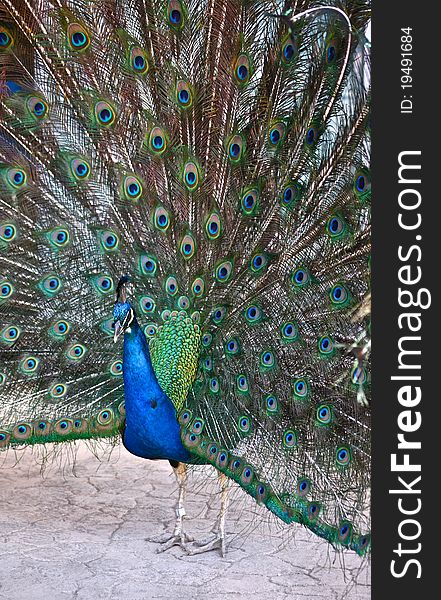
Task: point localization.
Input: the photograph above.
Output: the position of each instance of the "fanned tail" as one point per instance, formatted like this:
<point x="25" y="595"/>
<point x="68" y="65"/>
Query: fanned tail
<point x="219" y="155"/>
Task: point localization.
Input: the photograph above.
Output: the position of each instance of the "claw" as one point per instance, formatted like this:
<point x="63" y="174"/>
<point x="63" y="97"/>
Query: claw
<point x="167" y="541"/>
<point x="200" y="546"/>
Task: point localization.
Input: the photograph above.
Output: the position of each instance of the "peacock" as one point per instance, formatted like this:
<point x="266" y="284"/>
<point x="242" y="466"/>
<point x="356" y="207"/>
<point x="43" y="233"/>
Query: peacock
<point x="185" y="244"/>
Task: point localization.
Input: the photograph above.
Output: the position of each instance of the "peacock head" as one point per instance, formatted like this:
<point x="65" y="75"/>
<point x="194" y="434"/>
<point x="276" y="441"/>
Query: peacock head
<point x="123" y="312"/>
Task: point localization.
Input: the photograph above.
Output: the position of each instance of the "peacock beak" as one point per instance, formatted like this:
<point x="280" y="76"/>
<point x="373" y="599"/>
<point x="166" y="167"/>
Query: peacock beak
<point x="118" y="329"/>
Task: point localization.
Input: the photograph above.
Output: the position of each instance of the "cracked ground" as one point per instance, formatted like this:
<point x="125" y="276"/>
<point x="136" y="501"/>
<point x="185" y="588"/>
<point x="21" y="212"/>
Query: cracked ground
<point x="78" y="530"/>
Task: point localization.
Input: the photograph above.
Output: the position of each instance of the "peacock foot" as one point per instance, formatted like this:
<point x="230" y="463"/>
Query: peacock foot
<point x="213" y="542"/>
<point x="167" y="541"/>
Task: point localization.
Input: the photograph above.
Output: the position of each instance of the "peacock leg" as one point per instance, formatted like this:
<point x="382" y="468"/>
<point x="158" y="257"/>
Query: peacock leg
<point x="178" y="537"/>
<point x="217" y="539"/>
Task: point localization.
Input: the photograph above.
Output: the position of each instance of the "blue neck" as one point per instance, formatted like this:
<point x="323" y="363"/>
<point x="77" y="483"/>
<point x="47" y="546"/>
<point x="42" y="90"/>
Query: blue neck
<point x="152" y="429"/>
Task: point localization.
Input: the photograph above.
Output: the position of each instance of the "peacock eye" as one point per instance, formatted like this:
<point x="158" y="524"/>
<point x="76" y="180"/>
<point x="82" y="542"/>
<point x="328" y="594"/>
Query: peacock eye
<point x="311" y="136"/>
<point x="242" y="69"/>
<point x="17" y="178"/>
<point x="253" y="314"/>
<point x="161" y="218"/>
<point x="76" y="352"/>
<point x="258" y="263"/>
<point x="300" y="388"/>
<point x="131" y="188"/>
<point x="288" y="194"/>
<point x="276" y="134"/>
<point x="176" y="13"/>
<point x="289" y="50"/>
<point x="184" y="96"/>
<point x="103" y="284"/>
<point x="58" y="237"/>
<point x="148" y="265"/>
<point x="244" y="424"/>
<point x="150" y="330"/>
<point x="207" y="339"/>
<point x="242" y="383"/>
<point x="362" y="183"/>
<point x="214" y="385"/>
<point x="10" y="334"/>
<point x="249" y="201"/>
<point x="60" y="328"/>
<point x="335" y="226"/>
<point x="50" y="285"/>
<point x="331" y="51"/>
<point x="147" y="304"/>
<point x="267" y="359"/>
<point x="116" y="368"/>
<point x="236" y="148"/>
<point x="6" y="290"/>
<point x="300" y="277"/>
<point x="8" y="232"/>
<point x="359" y="375"/>
<point x="303" y="487"/>
<point x="183" y="302"/>
<point x="213" y="226"/>
<point x="58" y="390"/>
<point x="247" y="475"/>
<point x="191" y="176"/>
<point x="37" y="107"/>
<point x="218" y="314"/>
<point x="105" y="417"/>
<point x="339" y="295"/>
<point x="271" y="404"/>
<point x="326" y="345"/>
<point x="188" y="246"/>
<point x="198" y="287"/>
<point x="290" y="439"/>
<point x="343" y="456"/>
<point x="138" y="61"/>
<point x="78" y="37"/>
<point x="80" y="168"/>
<point x="290" y="332"/>
<point x="109" y="241"/>
<point x="232" y="347"/>
<point x="29" y="365"/>
<point x="324" y="414"/>
<point x="6" y="39"/>
<point x="171" y="286"/>
<point x="224" y="271"/>
<point x="104" y="113"/>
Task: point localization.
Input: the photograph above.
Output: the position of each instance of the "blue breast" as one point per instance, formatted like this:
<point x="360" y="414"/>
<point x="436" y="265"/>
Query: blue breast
<point x="152" y="430"/>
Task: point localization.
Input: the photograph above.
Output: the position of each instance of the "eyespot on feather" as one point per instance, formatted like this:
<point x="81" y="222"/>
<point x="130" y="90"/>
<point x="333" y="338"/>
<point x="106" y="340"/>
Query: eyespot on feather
<point x="183" y="95"/>
<point x="78" y="37"/>
<point x="8" y="232"/>
<point x="37" y="107"/>
<point x="22" y="431"/>
<point x="235" y="147"/>
<point x="176" y="15"/>
<point x="16" y="178"/>
<point x="6" y="39"/>
<point x="76" y="352"/>
<point x="131" y="188"/>
<point x="105" y="114"/>
<point x="242" y="69"/>
<point x="188" y="246"/>
<point x="138" y="61"/>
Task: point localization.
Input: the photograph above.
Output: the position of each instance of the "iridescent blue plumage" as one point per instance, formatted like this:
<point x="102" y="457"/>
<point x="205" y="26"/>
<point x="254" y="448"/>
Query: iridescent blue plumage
<point x="151" y="429"/>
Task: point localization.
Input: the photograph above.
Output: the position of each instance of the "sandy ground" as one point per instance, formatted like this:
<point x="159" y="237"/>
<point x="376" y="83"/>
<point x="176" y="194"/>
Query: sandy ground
<point x="80" y="533"/>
